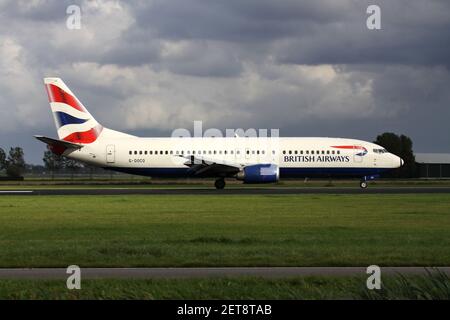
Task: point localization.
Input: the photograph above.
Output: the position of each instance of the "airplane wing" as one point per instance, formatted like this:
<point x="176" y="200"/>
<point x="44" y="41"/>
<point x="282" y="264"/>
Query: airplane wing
<point x="210" y="167"/>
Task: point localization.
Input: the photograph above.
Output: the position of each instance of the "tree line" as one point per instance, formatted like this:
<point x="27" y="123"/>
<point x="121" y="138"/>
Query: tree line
<point x="14" y="164"/>
<point x="55" y="163"/>
<point x="401" y="146"/>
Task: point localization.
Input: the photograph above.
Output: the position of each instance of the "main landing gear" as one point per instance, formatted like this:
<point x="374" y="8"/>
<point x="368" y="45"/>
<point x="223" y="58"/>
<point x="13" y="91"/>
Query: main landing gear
<point x="220" y="183"/>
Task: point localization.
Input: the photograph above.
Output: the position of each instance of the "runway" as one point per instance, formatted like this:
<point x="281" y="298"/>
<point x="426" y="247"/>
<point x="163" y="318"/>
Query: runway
<point x="229" y="191"/>
<point x="180" y="273"/>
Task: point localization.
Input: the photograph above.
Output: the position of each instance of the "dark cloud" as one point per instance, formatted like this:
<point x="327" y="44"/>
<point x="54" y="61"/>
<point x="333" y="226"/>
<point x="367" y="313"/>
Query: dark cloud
<point x="412" y="33"/>
<point x="45" y="10"/>
<point x="236" y="20"/>
<point x="310" y="68"/>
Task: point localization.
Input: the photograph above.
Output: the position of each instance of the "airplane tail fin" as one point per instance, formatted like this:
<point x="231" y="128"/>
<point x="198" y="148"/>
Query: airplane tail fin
<point x="73" y="121"/>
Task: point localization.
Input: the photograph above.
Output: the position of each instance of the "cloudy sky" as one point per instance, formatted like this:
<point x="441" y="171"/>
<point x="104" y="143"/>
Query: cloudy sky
<point x="309" y="68"/>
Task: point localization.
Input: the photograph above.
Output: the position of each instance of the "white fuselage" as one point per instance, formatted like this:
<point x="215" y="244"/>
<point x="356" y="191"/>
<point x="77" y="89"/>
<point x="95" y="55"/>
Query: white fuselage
<point x="295" y="157"/>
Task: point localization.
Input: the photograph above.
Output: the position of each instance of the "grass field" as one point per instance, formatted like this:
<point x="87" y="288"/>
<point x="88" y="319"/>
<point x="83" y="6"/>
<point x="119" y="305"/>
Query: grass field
<point x="394" y="287"/>
<point x="259" y="230"/>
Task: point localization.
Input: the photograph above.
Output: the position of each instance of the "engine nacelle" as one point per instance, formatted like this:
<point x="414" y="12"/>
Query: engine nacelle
<point x="259" y="173"/>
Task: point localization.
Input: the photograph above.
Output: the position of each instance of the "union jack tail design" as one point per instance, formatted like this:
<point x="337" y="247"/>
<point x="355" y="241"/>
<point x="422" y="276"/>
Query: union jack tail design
<point x="74" y="123"/>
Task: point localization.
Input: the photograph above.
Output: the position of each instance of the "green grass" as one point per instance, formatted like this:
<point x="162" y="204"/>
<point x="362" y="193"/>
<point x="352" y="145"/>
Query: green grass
<point x="435" y="286"/>
<point x="223" y="288"/>
<point x="417" y="287"/>
<point x="259" y="230"/>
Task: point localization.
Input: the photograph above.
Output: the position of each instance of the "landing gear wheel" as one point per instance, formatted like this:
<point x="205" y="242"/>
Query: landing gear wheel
<point x="363" y="184"/>
<point x="220" y="183"/>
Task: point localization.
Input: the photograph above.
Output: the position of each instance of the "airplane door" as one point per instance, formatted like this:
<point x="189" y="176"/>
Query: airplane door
<point x="358" y="153"/>
<point x="110" y="153"/>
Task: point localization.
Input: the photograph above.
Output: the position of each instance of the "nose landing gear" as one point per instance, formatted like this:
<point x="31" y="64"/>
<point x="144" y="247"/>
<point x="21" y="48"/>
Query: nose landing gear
<point x="363" y="182"/>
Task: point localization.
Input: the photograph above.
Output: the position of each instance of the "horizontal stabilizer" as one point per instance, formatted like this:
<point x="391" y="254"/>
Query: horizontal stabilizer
<point x="59" y="143"/>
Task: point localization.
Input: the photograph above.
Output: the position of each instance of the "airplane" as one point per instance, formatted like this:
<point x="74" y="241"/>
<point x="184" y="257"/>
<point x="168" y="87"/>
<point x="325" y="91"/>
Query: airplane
<point x="252" y="160"/>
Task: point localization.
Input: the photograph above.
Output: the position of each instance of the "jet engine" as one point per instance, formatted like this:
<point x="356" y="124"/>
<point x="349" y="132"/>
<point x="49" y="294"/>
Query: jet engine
<point x="259" y="173"/>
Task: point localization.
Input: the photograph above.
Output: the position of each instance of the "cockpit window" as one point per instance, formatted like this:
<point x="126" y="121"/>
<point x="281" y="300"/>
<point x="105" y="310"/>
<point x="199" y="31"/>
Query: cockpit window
<point x="380" y="151"/>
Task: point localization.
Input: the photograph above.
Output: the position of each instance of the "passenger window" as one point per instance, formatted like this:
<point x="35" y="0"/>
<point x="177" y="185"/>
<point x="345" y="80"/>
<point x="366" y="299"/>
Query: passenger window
<point x="140" y="152"/>
<point x="312" y="151"/>
<point x="338" y="152"/>
<point x="145" y="152"/>
<point x="284" y="151"/>
<point x="130" y="152"/>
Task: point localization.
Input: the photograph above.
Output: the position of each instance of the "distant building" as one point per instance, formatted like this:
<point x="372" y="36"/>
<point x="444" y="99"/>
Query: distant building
<point x="433" y="165"/>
